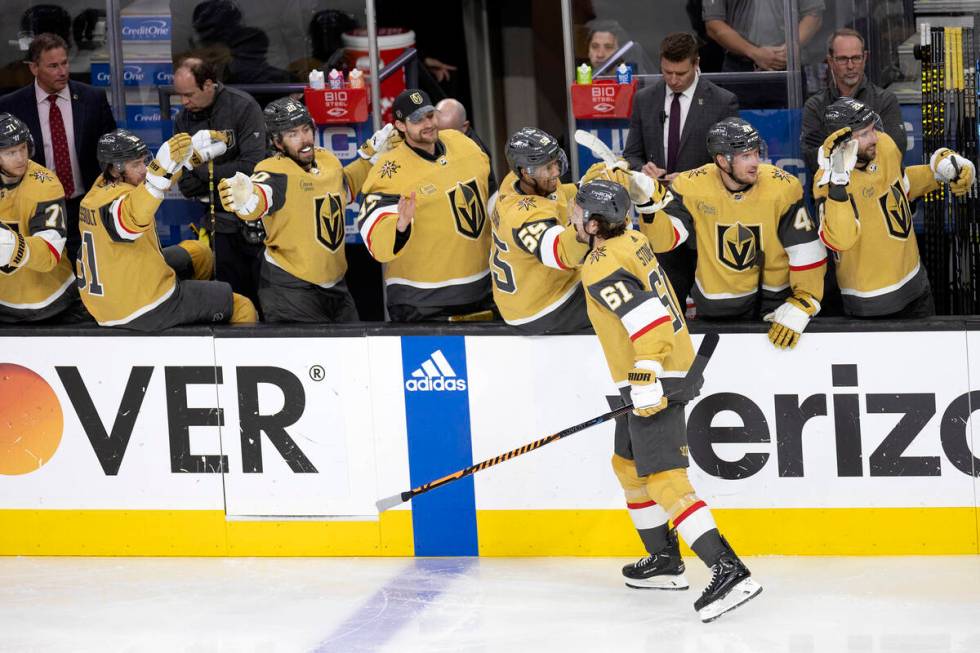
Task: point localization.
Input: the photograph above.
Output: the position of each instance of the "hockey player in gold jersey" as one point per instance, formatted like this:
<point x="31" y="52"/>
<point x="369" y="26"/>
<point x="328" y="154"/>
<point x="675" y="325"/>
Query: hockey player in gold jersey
<point x="744" y="213"/>
<point x="648" y="349"/>
<point x="301" y="194"/>
<point x="124" y="277"/>
<point x="36" y="280"/>
<point x="424" y="215"/>
<point x="534" y="254"/>
<point x="862" y="195"/>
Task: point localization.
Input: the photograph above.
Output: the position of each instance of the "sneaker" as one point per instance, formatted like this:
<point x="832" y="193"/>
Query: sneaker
<point x="731" y="585"/>
<point x="663" y="570"/>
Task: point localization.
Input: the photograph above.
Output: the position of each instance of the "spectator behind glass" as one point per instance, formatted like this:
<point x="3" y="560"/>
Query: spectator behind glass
<point x="66" y="119"/>
<point x="605" y="38"/>
<point x="753" y="32"/>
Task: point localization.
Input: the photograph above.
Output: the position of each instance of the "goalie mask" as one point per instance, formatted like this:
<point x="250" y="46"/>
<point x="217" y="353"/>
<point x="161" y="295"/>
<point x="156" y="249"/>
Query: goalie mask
<point x="530" y="148"/>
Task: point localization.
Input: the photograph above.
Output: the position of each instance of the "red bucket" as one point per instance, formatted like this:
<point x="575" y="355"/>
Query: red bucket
<point x="392" y="41"/>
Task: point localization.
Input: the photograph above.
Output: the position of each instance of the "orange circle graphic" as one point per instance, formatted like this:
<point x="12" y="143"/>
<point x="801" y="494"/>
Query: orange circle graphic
<point x="31" y="421"/>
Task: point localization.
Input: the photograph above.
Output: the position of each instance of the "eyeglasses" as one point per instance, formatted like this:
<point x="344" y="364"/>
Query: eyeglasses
<point x="843" y="61"/>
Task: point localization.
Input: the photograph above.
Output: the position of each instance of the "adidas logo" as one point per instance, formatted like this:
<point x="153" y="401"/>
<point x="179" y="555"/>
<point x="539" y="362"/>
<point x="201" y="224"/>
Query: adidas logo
<point x="435" y="374"/>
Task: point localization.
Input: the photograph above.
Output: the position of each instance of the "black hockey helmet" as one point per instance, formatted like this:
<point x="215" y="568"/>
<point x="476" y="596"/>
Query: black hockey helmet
<point x="118" y="147"/>
<point x="13" y="132"/>
<point x="531" y="147"/>
<point x="604" y="200"/>
<point x="284" y="114"/>
<point x="732" y="136"/>
<point x="848" y="112"/>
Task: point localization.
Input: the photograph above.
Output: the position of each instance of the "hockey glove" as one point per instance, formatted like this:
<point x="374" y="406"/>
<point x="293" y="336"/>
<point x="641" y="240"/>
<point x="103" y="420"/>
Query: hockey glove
<point x="379" y="143"/>
<point x="950" y="167"/>
<point x="238" y="195"/>
<point x="617" y="172"/>
<point x="648" y="194"/>
<point x="171" y="155"/>
<point x="837" y="158"/>
<point x="790" y="319"/>
<point x="13" y="249"/>
<point x="646" y="391"/>
<point x="207" y="145"/>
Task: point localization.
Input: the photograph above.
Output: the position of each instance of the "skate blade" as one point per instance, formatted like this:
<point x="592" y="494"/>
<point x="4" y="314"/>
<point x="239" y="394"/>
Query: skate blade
<point x="745" y="591"/>
<point x="677" y="582"/>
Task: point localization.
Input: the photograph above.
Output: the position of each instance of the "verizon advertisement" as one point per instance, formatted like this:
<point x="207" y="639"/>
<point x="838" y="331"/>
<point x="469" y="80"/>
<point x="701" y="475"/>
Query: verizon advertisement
<point x="317" y="426"/>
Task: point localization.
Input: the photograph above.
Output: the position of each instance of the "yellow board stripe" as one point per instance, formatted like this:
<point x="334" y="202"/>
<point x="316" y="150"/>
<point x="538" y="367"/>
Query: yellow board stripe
<point x="784" y="531"/>
<point x="197" y="533"/>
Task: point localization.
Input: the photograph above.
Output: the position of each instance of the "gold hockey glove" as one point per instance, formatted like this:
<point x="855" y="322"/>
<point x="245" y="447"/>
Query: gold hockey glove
<point x="790" y="319"/>
<point x="646" y="390"/>
<point x="955" y="170"/>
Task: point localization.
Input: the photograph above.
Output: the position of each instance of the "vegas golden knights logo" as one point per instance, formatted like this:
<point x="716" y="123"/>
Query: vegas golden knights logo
<point x="468" y="209"/>
<point x="330" y="221"/>
<point x="738" y="244"/>
<point x="898" y="214"/>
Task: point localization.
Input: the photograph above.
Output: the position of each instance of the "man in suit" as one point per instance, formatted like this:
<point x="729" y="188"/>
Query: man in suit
<point x="66" y="119"/>
<point x="667" y="129"/>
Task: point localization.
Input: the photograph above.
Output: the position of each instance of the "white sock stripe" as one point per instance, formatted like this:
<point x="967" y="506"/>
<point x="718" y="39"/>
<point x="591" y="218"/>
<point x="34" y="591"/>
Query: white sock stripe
<point x="649" y="517"/>
<point x="696" y="524"/>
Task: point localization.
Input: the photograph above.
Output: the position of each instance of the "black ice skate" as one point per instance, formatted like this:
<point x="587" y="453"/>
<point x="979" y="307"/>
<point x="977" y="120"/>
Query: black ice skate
<point x="731" y="585"/>
<point x="663" y="570"/>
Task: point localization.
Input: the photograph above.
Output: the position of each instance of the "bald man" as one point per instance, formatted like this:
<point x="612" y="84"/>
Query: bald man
<point x="451" y="114"/>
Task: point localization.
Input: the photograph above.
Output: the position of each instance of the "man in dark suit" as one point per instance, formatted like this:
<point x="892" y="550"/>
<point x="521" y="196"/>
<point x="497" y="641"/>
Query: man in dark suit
<point x="66" y="119"/>
<point x="667" y="132"/>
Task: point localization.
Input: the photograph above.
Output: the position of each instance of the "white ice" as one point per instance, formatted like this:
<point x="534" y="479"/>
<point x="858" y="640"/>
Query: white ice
<point x="846" y="605"/>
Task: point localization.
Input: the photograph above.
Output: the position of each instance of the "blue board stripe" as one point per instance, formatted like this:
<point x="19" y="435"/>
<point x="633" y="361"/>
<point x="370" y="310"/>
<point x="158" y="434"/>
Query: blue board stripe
<point x="437" y="415"/>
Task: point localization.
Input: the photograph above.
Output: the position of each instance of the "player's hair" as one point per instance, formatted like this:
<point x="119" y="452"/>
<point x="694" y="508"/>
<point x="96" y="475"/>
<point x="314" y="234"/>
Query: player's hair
<point x="679" y="46"/>
<point x="44" y="42"/>
<point x="201" y="70"/>
<point x="843" y="31"/>
<point x="607" y="231"/>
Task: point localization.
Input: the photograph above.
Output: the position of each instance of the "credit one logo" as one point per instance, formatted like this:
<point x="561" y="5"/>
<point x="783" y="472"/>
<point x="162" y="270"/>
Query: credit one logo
<point x="146" y="30"/>
<point x="435" y="374"/>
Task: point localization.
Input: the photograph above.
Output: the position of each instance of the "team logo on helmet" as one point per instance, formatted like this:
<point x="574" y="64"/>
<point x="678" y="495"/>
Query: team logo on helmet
<point x="898" y="214"/>
<point x="416" y="98"/>
<point x="738" y="244"/>
<point x="468" y="209"/>
<point x="330" y="221"/>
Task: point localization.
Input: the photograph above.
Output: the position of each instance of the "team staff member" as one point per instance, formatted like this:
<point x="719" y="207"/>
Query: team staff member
<point x="125" y="279"/>
<point x="36" y="280"/>
<point x="863" y="196"/>
<point x="647" y="347"/>
<point x="743" y="212"/>
<point x="424" y="214"/>
<point x="301" y="194"/>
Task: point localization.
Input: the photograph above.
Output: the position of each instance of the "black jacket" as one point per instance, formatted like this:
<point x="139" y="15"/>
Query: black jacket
<point x="880" y="99"/>
<point x="235" y="110"/>
<point x="91" y="118"/>
<point x="645" y="141"/>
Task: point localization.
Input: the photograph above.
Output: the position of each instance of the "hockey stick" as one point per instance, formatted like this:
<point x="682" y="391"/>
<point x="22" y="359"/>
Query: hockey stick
<point x="705" y="350"/>
<point x="598" y="148"/>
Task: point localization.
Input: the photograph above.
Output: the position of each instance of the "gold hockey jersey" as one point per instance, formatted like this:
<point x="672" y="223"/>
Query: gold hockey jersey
<point x="534" y="254"/>
<point x="39" y="273"/>
<point x="870" y="232"/>
<point x="634" y="310"/>
<point x="730" y="228"/>
<point x="443" y="257"/>
<point x="303" y="214"/>
<point x="121" y="271"/>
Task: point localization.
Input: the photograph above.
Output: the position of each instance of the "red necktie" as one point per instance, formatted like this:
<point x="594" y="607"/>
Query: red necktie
<point x="674" y="133"/>
<point x="59" y="144"/>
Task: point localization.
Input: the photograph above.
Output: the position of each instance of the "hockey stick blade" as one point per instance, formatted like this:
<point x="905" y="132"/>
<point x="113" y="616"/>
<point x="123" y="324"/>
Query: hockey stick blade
<point x="598" y="148"/>
<point x="707" y="347"/>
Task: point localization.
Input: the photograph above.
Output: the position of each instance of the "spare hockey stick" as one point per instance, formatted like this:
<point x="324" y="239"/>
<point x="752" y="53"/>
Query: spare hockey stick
<point x="705" y="351"/>
<point x="598" y="148"/>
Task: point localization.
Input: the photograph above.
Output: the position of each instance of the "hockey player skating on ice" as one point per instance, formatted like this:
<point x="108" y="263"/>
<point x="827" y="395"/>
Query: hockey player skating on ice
<point x="862" y="195"/>
<point x="753" y="235"/>
<point x="648" y="350"/>
<point x="301" y="194"/>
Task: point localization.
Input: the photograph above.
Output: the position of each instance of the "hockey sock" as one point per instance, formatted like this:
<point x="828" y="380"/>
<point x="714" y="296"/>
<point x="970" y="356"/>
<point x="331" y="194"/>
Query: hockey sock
<point x="650" y="521"/>
<point x="697" y="526"/>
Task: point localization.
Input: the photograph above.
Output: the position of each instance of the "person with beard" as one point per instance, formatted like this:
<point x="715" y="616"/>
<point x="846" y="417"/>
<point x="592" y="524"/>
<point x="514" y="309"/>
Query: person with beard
<point x="846" y="58"/>
<point x="758" y="250"/>
<point x="301" y="195"/>
<point x="862" y="195"/>
<point x="424" y="214"/>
